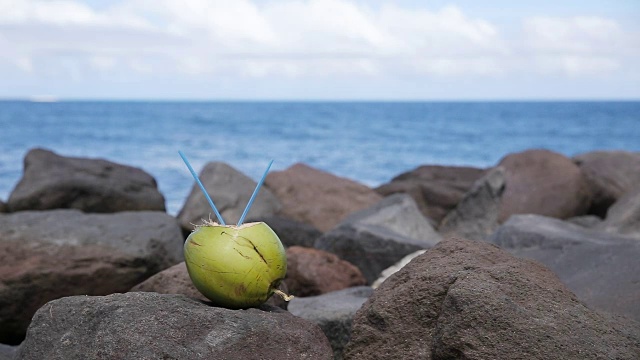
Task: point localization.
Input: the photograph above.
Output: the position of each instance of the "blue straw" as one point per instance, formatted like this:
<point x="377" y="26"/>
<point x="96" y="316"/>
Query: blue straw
<point x="204" y="191"/>
<point x="253" y="196"/>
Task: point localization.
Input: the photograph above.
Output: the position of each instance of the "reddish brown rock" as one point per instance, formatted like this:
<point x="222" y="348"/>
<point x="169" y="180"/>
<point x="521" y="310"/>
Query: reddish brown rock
<point x="317" y="197"/>
<point x="544" y="183"/>
<point x="313" y="272"/>
<point x="435" y="189"/>
<point x="609" y="175"/>
<point x="471" y="300"/>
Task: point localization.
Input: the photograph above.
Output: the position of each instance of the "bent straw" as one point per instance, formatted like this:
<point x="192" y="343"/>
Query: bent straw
<point x="204" y="191"/>
<point x="253" y="196"/>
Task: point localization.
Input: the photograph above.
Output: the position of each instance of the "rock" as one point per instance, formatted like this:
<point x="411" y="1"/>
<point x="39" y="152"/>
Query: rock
<point x="471" y="300"/>
<point x="376" y="238"/>
<point x="623" y="216"/>
<point x="7" y="352"/>
<point x="291" y="232"/>
<point x="476" y="216"/>
<point x="609" y="175"/>
<point x="333" y="312"/>
<point x="395" y="267"/>
<point x="314" y="272"/>
<point x="586" y="221"/>
<point x="175" y="280"/>
<point x="230" y="190"/>
<point x="45" y="255"/>
<point x="3" y="207"/>
<point x="601" y="269"/>
<point x="51" y="181"/>
<point x="435" y="189"/>
<point x="154" y="326"/>
<point x="317" y="197"/>
<point x="544" y="183"/>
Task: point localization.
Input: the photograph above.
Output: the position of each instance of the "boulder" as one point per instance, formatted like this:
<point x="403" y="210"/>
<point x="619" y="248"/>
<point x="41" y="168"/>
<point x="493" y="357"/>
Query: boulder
<point x="230" y="190"/>
<point x="601" y="269"/>
<point x="467" y="299"/>
<point x="609" y="175"/>
<point x="317" y="197"/>
<point x="476" y="215"/>
<point x="291" y="232"/>
<point x="333" y="312"/>
<point x="435" y="189"/>
<point x="147" y="325"/>
<point x="378" y="237"/>
<point x="45" y="255"/>
<point x="175" y="280"/>
<point x="586" y="221"/>
<point x="623" y="217"/>
<point x="8" y="352"/>
<point x="544" y="183"/>
<point x="51" y="181"/>
<point x="314" y="272"/>
<point x="3" y="207"/>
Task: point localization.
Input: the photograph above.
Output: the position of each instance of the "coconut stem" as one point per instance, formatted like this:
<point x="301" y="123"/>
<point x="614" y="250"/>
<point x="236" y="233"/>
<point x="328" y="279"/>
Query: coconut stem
<point x="204" y="191"/>
<point x="284" y="296"/>
<point x="253" y="196"/>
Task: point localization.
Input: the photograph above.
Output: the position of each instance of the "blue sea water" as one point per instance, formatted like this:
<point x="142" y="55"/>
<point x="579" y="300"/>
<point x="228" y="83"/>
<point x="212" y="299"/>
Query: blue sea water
<point x="370" y="142"/>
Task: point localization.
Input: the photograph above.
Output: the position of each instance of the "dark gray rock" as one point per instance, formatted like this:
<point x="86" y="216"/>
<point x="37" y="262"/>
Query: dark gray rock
<point x="609" y="175"/>
<point x="3" y="207"/>
<point x="472" y="300"/>
<point x="476" y="216"/>
<point x="291" y="232"/>
<point x="586" y="221"/>
<point x="7" y="352"/>
<point x="154" y="326"/>
<point x="51" y="181"/>
<point x="435" y="189"/>
<point x="230" y="190"/>
<point x="333" y="312"/>
<point x="600" y="268"/>
<point x="623" y="217"/>
<point x="45" y="255"/>
<point x="376" y="238"/>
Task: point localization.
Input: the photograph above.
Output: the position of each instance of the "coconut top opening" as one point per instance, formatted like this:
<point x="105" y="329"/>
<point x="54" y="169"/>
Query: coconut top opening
<point x="210" y="222"/>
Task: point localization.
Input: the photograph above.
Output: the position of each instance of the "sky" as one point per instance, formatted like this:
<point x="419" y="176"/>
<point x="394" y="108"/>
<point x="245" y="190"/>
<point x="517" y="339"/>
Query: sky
<point x="320" y="49"/>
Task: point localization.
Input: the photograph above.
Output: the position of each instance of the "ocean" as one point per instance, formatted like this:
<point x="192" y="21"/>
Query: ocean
<point x="370" y="142"/>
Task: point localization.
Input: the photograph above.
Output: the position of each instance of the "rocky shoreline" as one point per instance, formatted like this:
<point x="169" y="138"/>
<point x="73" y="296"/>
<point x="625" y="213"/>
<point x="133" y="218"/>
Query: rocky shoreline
<point x="534" y="258"/>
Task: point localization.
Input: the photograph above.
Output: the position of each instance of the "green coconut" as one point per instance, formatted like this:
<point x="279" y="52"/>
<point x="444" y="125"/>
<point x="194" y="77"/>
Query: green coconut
<point x="236" y="266"/>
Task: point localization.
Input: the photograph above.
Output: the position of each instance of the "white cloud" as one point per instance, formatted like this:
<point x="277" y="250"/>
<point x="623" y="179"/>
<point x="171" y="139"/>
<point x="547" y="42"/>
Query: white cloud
<point x="297" y="39"/>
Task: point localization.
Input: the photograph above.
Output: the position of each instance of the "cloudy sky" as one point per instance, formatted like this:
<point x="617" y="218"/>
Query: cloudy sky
<point x="320" y="49"/>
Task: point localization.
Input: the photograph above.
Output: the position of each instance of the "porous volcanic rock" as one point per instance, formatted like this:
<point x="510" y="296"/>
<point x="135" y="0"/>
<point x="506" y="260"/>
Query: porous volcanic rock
<point x="314" y="272"/>
<point x="333" y="312"/>
<point x="144" y="325"/>
<point x="230" y="191"/>
<point x="467" y="299"/>
<point x="45" y="255"/>
<point x="602" y="269"/>
<point x="51" y="181"/>
<point x="623" y="217"/>
<point x="376" y="238"/>
<point x="609" y="175"/>
<point x="317" y="197"/>
<point x="476" y="215"/>
<point x="545" y="183"/>
<point x="435" y="189"/>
